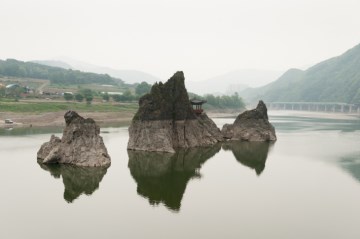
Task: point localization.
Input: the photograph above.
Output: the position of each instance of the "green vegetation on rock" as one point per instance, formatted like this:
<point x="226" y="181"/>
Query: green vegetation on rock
<point x="166" y="101"/>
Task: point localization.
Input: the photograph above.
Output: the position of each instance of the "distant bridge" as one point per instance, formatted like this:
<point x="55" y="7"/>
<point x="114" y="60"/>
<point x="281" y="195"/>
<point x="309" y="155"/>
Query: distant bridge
<point x="315" y="106"/>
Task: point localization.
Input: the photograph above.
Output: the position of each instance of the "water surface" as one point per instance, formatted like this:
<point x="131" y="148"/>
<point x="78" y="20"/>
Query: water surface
<point x="306" y="185"/>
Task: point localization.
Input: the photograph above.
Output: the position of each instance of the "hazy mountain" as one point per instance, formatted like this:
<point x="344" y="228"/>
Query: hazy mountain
<point x="128" y="76"/>
<point x="57" y="75"/>
<point x="229" y="83"/>
<point x="333" y="80"/>
<point x="54" y="63"/>
<point x="232" y="82"/>
<point x="281" y="86"/>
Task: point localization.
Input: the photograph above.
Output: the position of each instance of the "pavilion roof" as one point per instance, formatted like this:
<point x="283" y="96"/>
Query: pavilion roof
<point x="197" y="102"/>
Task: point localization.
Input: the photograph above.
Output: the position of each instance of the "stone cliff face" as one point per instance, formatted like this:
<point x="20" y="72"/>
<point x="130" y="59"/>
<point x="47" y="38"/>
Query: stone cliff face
<point x="80" y="144"/>
<point x="252" y="125"/>
<point x="165" y="120"/>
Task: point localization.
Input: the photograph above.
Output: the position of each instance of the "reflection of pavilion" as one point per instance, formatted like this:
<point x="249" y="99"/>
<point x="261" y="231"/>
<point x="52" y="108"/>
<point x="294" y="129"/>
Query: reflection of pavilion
<point x="250" y="154"/>
<point x="77" y="180"/>
<point x="162" y="177"/>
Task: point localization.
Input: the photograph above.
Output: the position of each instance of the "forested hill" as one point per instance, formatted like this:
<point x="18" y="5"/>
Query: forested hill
<point x="333" y="80"/>
<point x="56" y="75"/>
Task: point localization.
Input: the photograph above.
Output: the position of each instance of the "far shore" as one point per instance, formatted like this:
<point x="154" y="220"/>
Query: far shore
<point x="57" y="118"/>
<point x="123" y="118"/>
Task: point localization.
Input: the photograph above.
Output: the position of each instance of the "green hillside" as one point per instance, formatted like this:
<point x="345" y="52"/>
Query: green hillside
<point x="333" y="80"/>
<point x="56" y="75"/>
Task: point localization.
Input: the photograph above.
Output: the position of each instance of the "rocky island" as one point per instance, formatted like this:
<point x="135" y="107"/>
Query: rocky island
<point x="166" y="121"/>
<point x="251" y="125"/>
<point x="81" y="144"/>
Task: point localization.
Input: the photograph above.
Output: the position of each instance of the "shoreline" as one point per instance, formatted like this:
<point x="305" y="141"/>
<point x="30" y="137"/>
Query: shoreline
<point x="56" y="119"/>
<point x="22" y="120"/>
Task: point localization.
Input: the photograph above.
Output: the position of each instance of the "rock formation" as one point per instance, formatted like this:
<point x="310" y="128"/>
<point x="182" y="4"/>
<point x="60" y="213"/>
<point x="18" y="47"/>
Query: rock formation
<point x="80" y="144"/>
<point x="77" y="180"/>
<point x="162" y="177"/>
<point x="166" y="121"/>
<point x="251" y="125"/>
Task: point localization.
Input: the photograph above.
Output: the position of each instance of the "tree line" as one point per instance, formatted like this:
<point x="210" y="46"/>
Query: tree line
<point x="127" y="96"/>
<point x="221" y="102"/>
<point x="56" y="75"/>
<point x="224" y="101"/>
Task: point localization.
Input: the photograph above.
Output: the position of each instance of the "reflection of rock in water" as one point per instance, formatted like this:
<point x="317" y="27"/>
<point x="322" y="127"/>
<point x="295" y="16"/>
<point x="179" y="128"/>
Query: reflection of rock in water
<point x="352" y="165"/>
<point x="162" y="177"/>
<point x="250" y="154"/>
<point x="77" y="180"/>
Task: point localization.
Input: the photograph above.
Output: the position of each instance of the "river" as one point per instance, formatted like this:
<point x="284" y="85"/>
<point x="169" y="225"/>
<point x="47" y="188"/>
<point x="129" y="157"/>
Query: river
<point x="305" y="185"/>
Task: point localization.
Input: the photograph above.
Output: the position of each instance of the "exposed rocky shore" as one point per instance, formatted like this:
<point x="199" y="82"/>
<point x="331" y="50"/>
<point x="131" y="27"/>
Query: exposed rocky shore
<point x="251" y="125"/>
<point x="80" y="144"/>
<point x="166" y="121"/>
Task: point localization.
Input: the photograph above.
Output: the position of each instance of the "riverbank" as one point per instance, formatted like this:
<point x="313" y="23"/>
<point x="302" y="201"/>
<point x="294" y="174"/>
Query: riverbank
<point x="57" y="118"/>
<point x="28" y="119"/>
<point x="50" y="113"/>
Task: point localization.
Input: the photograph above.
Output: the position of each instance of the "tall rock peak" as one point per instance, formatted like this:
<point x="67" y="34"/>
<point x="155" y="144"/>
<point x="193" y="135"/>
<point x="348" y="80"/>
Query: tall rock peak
<point x="167" y="101"/>
<point x="261" y="108"/>
<point x="166" y="121"/>
<point x="70" y="116"/>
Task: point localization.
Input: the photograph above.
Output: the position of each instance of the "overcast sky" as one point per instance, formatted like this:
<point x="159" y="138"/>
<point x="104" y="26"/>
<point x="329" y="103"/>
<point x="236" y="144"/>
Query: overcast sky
<point x="204" y="38"/>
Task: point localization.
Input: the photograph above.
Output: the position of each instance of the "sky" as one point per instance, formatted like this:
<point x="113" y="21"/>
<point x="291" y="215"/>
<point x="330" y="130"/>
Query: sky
<point x="203" y="38"/>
